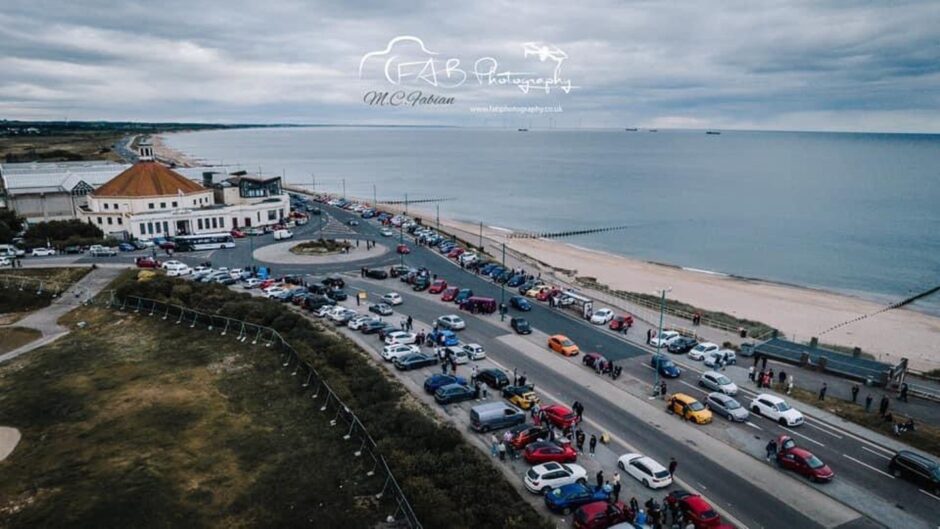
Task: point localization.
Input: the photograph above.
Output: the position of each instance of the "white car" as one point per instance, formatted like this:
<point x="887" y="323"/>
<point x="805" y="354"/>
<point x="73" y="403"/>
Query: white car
<point x="542" y="478"/>
<point x="323" y="311"/>
<point x="602" y="316"/>
<point x="400" y="337"/>
<point x="728" y="356"/>
<point x="475" y="351"/>
<point x="393" y="298"/>
<point x="4" y="261"/>
<point x="664" y="339"/>
<point x="451" y="322"/>
<point x="776" y="409"/>
<point x="398" y="350"/>
<point x="715" y="381"/>
<point x="42" y="252"/>
<point x="201" y="271"/>
<point x="146" y="243"/>
<point x="342" y="314"/>
<point x="385" y="232"/>
<point x="357" y="322"/>
<point x="273" y="292"/>
<point x="699" y="351"/>
<point x="178" y="270"/>
<point x="645" y="470"/>
<point x="251" y="282"/>
<point x="459" y="355"/>
<point x="468" y="257"/>
<point x="171" y="262"/>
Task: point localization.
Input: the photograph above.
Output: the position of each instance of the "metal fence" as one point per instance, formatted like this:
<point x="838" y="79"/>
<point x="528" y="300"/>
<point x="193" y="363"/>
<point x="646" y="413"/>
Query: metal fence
<point x="22" y="283"/>
<point x="323" y="397"/>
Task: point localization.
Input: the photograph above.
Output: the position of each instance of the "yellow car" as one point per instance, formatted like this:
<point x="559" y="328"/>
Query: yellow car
<point x="523" y="399"/>
<point x="561" y="344"/>
<point x="688" y="408"/>
<point x="536" y="290"/>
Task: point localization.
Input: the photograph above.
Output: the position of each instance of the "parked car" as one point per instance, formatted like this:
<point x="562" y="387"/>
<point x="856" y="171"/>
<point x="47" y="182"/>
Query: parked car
<point x="449" y="293"/>
<point x="521" y="396"/>
<point x="621" y="321"/>
<point x="682" y="345"/>
<point x="727" y="356"/>
<point x="520" y="303"/>
<point x="688" y="408"/>
<point x="664" y="338"/>
<point x="916" y="468"/>
<point x="376" y="273"/>
<point x="561" y="344"/>
<point x="602" y="316"/>
<point x="124" y="247"/>
<point x="437" y="286"/>
<point x="545" y="451"/>
<point x="560" y="416"/>
<point x="699" y="351"/>
<point x="283" y="234"/>
<point x="727" y="407"/>
<point x="665" y="366"/>
<point x="493" y="378"/>
<point x="414" y="361"/>
<point x="525" y="434"/>
<point x="452" y="393"/>
<point x="403" y="337"/>
<point x="715" y="381"/>
<point x="520" y="325"/>
<point x="457" y="354"/>
<point x="776" y="409"/>
<point x="694" y="508"/>
<point x="398" y="270"/>
<point x="452" y="322"/>
<point x="593" y="359"/>
<point x="372" y="327"/>
<point x="802" y="461"/>
<point x="357" y="322"/>
<point x="474" y="351"/>
<point x="566" y="499"/>
<point x="540" y="479"/>
<point x="147" y="262"/>
<point x="437" y="380"/>
<point x="393" y="299"/>
<point x="381" y="309"/>
<point x="462" y="295"/>
<point x="646" y="470"/>
<point x="495" y="415"/>
<point x="601" y="515"/>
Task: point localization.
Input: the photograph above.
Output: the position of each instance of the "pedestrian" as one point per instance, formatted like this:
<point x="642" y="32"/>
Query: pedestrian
<point x="763" y="361"/>
<point x="782" y="377"/>
<point x="579" y="438"/>
<point x="507" y="440"/>
<point x="855" y="389"/>
<point x="789" y="384"/>
<point x="903" y="395"/>
<point x="672" y="466"/>
<point x="822" y="391"/>
<point x="592" y="444"/>
<point x="476" y="390"/>
<point x="608" y="488"/>
<point x="662" y="389"/>
<point x="502" y="451"/>
<point x="494" y="445"/>
<point x="473" y="373"/>
<point x="600" y="478"/>
<point x="515" y="377"/>
<point x="453" y="367"/>
<point x="770" y="378"/>
<point x="484" y="387"/>
<point x="410" y="322"/>
<point x="634" y="506"/>
<point x="868" y="403"/>
<point x="522" y="379"/>
<point x="883" y="407"/>
<point x="675" y="512"/>
<point x="357" y="300"/>
<point x="443" y="366"/>
<point x="617" y="487"/>
<point x="649" y="336"/>
<point x="771" y="449"/>
<point x="750" y="373"/>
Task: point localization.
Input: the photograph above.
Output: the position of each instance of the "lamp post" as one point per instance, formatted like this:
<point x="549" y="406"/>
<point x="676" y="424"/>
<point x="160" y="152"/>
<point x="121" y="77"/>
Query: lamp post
<point x="659" y="341"/>
<point x="502" y="290"/>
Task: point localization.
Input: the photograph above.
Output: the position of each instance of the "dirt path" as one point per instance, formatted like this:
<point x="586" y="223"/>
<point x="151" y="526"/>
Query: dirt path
<point x="9" y="438"/>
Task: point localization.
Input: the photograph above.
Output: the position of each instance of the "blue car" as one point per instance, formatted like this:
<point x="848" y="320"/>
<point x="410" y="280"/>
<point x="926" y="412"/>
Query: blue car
<point x="434" y="382"/>
<point x="496" y="271"/>
<point x="446" y="247"/>
<point x="521" y="303"/>
<point x="443" y="337"/>
<point x="515" y="281"/>
<point x="665" y="366"/>
<point x="126" y="247"/>
<point x="567" y="498"/>
<point x="462" y="295"/>
<point x="485" y="269"/>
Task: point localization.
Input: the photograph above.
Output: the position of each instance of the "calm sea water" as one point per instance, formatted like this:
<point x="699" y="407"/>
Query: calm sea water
<point x="856" y="213"/>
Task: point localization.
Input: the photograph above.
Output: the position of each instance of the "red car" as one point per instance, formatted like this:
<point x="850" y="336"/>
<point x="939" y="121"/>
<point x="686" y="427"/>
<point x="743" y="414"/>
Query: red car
<point x="456" y="252"/>
<point x="438" y="286"/>
<point x="238" y="234"/>
<point x="619" y="322"/>
<point x="449" y="294"/>
<point x="561" y="416"/>
<point x="696" y="510"/>
<point x="801" y="461"/>
<point x="526" y="434"/>
<point x="147" y="262"/>
<point x="543" y="295"/>
<point x="403" y="249"/>
<point x="266" y="283"/>
<point x="545" y="451"/>
<point x="601" y="515"/>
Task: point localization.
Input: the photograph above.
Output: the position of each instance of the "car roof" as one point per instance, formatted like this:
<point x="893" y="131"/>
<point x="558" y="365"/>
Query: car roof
<point x="548" y="467"/>
<point x="559" y="337"/>
<point x="683" y="397"/>
<point x="770" y="398"/>
<point x="802" y="452"/>
<point x="697" y="504"/>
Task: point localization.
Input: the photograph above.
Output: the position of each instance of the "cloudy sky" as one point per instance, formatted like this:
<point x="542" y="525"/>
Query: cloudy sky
<point x="815" y="65"/>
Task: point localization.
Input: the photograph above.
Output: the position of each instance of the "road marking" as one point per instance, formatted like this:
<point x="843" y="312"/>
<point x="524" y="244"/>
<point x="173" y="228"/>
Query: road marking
<point x="929" y="494"/>
<point x="810" y="439"/>
<point x="876" y="453"/>
<point x="752" y="425"/>
<point x="823" y="430"/>
<point x="867" y="465"/>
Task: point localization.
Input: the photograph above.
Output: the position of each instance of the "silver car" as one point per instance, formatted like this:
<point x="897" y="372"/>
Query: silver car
<point x="727" y="407"/>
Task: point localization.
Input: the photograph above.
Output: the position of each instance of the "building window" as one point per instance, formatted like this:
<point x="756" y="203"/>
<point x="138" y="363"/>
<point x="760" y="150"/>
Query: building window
<point x="99" y="220"/>
<point x="157" y="227"/>
<point x="143" y="228"/>
<point x="174" y="204"/>
<point x="115" y="206"/>
<point x="120" y="220"/>
<point x="110" y="221"/>
<point x="222" y="222"/>
<point x="166" y="228"/>
<point x="150" y="228"/>
<point x="272" y="214"/>
<point x="150" y="205"/>
<point x="162" y="205"/>
<point x="215" y="223"/>
<point x="259" y="216"/>
<point x="105" y="205"/>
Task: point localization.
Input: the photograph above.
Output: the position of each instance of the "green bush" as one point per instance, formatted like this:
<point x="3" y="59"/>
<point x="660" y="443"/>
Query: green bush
<point x="63" y="233"/>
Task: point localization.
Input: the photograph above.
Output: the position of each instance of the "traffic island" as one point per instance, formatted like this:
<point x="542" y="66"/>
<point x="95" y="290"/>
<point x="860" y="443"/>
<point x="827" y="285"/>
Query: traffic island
<point x="321" y="247"/>
<point x="284" y="253"/>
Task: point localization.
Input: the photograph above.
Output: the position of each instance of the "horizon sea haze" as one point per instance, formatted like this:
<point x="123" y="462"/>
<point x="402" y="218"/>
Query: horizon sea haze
<point x="850" y="213"/>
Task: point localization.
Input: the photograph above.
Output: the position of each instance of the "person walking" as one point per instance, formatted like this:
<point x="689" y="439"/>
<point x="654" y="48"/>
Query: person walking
<point x="579" y="439"/>
<point x="822" y="391"/>
<point x="750" y="373"/>
<point x="903" y="395"/>
<point x="868" y="400"/>
<point x="649" y="337"/>
<point x="502" y="451"/>
<point x="883" y="407"/>
<point x="410" y="321"/>
<point x="592" y="444"/>
<point x="600" y="478"/>
<point x="771" y="449"/>
<point x="855" y="389"/>
<point x="579" y="409"/>
<point x="494" y="445"/>
<point x="672" y="466"/>
<point x="616" y="482"/>
<point x="634" y="506"/>
<point x="789" y="384"/>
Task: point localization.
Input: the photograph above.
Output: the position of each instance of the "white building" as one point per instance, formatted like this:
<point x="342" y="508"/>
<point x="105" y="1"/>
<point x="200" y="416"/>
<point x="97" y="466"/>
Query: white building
<point x="151" y="200"/>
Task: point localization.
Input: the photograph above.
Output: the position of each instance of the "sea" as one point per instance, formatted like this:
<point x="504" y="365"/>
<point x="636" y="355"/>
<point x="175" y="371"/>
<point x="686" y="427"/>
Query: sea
<point x="851" y="213"/>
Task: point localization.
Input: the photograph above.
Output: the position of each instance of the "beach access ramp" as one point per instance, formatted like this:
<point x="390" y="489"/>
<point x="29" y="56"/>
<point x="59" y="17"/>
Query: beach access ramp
<point x="871" y="372"/>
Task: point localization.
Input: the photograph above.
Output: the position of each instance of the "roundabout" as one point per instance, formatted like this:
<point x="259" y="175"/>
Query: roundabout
<point x="281" y="253"/>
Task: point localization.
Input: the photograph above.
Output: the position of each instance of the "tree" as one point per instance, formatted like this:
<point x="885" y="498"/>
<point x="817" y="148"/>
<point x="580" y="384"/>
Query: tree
<point x="10" y="225"/>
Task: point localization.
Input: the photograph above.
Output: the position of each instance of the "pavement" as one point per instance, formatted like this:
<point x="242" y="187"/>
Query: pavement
<point x="9" y="438"/>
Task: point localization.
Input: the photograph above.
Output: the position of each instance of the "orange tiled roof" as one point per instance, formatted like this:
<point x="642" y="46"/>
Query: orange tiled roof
<point x="147" y="179"/>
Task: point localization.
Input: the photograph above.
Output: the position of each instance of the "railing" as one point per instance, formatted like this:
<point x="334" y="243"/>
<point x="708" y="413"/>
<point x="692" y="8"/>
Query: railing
<point x="324" y="398"/>
<point x="42" y="286"/>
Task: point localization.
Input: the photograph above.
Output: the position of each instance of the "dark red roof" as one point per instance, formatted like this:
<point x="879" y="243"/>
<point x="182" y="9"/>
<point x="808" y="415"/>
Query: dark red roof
<point x="148" y="179"/>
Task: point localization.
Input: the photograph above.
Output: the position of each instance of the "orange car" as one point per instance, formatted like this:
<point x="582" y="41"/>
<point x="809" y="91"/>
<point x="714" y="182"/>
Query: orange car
<point x="561" y="344"/>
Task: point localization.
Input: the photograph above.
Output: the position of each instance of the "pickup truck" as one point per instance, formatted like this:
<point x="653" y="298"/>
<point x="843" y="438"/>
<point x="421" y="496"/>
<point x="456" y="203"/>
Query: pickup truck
<point x="102" y="251"/>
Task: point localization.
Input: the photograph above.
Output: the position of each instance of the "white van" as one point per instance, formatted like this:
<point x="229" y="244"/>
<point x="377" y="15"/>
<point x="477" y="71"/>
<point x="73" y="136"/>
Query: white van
<point x="8" y="250"/>
<point x="282" y="234"/>
<point x="177" y="269"/>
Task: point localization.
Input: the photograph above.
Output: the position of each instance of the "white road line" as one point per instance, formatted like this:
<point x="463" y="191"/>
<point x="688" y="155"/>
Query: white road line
<point x="929" y="494"/>
<point x="867" y="465"/>
<point x="879" y="454"/>
<point x="810" y="439"/>
<point x="752" y="425"/>
<point x="823" y="430"/>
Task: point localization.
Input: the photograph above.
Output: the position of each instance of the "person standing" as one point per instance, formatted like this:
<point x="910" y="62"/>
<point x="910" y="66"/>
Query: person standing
<point x="868" y="400"/>
<point x="672" y="467"/>
<point x="855" y="389"/>
<point x="579" y="437"/>
<point x="782" y="377"/>
<point x="771" y="449"/>
<point x="502" y="451"/>
<point x="750" y="373"/>
<point x="903" y="395"/>
<point x="634" y="506"/>
<point x="507" y="440"/>
<point x="592" y="444"/>
<point x="600" y="478"/>
<point x="494" y="445"/>
<point x="616" y="481"/>
<point x="822" y="391"/>
<point x="789" y="384"/>
<point x="649" y="337"/>
<point x="883" y="407"/>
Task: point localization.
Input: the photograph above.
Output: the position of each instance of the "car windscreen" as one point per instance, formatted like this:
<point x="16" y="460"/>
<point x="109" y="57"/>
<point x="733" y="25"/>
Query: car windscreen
<point x="782" y="406"/>
<point x="666" y="363"/>
<point x="696" y="406"/>
<point x="814" y="462"/>
<point x="723" y="380"/>
<point x="567" y="343"/>
<point x="732" y="404"/>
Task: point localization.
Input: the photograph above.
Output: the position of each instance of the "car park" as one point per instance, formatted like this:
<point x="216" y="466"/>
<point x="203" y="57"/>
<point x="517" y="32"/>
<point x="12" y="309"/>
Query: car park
<point x="776" y="409"/>
<point x="918" y="469"/>
<point x="727" y="407"/>
<point x="699" y="351"/>
<point x="715" y="381"/>
<point x="646" y="470"/>
<point x="545" y="451"/>
<point x="474" y="351"/>
<point x="666" y="367"/>
<point x="688" y="408"/>
<point x="452" y="393"/>
<point x="568" y="498"/>
<point x="664" y="338"/>
<point x="520" y="325"/>
<point x="414" y="361"/>
<point x="802" y="461"/>
<point x="393" y="299"/>
<point x="602" y="316"/>
<point x="402" y="337"/>
<point x="601" y="515"/>
<point x="451" y="322"/>
<point x="381" y="309"/>
<point x="493" y="378"/>
<point x="560" y="416"/>
<point x="521" y="396"/>
<point x="561" y="344"/>
<point x="438" y="380"/>
<point x="520" y="303"/>
<point x="682" y="345"/>
<point x="542" y="478"/>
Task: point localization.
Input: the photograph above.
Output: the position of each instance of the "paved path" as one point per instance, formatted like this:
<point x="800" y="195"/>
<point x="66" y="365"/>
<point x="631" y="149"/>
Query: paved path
<point x="46" y="320"/>
<point x="9" y="438"/>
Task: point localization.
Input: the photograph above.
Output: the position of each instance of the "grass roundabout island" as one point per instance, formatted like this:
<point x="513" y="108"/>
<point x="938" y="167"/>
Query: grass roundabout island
<point x="320" y="247"/>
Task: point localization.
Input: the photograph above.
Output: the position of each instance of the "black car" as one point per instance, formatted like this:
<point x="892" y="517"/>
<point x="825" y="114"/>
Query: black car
<point x="375" y="273"/>
<point x="387" y="329"/>
<point x="493" y="378"/>
<point x="337" y="295"/>
<point x="414" y="361"/>
<point x="421" y="283"/>
<point x="916" y="468"/>
<point x="315" y="301"/>
<point x="334" y="281"/>
<point x="398" y="270"/>
<point x="318" y="289"/>
<point x="382" y="309"/>
<point x="529" y="285"/>
<point x="520" y="303"/>
<point x="520" y="325"/>
<point x="74" y="249"/>
<point x="372" y="327"/>
<point x="682" y="345"/>
<point x="453" y="393"/>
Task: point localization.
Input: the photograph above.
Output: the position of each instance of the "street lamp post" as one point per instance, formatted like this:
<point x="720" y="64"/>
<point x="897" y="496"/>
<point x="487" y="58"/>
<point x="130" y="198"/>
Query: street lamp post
<point x="659" y="341"/>
<point x="502" y="290"/>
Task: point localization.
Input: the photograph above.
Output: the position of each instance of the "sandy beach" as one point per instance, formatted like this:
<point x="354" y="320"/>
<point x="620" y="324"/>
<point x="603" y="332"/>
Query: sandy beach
<point x="169" y="155"/>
